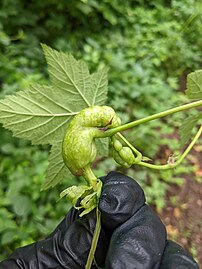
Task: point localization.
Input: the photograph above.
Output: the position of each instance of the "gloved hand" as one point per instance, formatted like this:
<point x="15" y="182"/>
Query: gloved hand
<point x="132" y="236"/>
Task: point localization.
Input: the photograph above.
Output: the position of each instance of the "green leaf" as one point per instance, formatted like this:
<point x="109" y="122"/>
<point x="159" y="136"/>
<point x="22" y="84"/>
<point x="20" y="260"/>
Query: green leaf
<point x="21" y="205"/>
<point x="187" y="127"/>
<point x="57" y="171"/>
<point x="8" y="236"/>
<point x="85" y="201"/>
<point x="100" y="85"/>
<point x="73" y="79"/>
<point x="102" y="145"/>
<point x="73" y="193"/>
<point x="194" y="85"/>
<point x="39" y="114"/>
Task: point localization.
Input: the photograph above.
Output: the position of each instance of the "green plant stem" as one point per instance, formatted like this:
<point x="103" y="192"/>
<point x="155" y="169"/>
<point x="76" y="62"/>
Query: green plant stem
<point x="129" y="125"/>
<point x="173" y="165"/>
<point x="95" y="240"/>
<point x="90" y="177"/>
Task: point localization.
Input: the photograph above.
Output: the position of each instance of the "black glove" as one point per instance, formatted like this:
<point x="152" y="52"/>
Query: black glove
<point x="132" y="236"/>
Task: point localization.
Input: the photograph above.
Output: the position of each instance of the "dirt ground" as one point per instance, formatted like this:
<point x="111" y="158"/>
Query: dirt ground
<point x="183" y="217"/>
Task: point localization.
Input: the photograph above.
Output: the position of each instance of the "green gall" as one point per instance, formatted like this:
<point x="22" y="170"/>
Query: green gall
<point x="78" y="147"/>
<point x="124" y="156"/>
<point x="118" y="159"/>
<point x="116" y="144"/>
<point x="127" y="155"/>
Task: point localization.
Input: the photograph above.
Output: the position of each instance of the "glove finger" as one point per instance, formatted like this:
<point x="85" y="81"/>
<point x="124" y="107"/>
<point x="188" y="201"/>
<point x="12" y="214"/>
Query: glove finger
<point x="175" y="257"/>
<point x="138" y="243"/>
<point x="70" y="217"/>
<point x="66" y="249"/>
<point x="74" y="244"/>
<point x="121" y="197"/>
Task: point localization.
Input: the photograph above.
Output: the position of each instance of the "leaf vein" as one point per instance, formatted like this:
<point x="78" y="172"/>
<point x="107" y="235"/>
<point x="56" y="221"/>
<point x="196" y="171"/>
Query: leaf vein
<point x="58" y="104"/>
<point x="34" y="127"/>
<point x="55" y="129"/>
<point x="18" y="121"/>
<point x="74" y="84"/>
<point x="37" y="104"/>
<point x="49" y="183"/>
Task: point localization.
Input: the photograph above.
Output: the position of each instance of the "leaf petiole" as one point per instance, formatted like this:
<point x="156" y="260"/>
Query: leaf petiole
<point x="132" y="124"/>
<point x="173" y="165"/>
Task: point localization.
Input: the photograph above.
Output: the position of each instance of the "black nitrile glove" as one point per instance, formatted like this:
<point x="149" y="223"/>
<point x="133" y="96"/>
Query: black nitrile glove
<point x="132" y="236"/>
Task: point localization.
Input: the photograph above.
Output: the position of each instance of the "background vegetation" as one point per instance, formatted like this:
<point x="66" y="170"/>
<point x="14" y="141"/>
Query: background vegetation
<point x="150" y="46"/>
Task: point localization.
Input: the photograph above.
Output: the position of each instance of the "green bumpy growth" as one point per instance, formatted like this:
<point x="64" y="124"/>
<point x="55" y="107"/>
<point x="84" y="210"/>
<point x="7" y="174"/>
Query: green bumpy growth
<point x="78" y="148"/>
<point x="122" y="155"/>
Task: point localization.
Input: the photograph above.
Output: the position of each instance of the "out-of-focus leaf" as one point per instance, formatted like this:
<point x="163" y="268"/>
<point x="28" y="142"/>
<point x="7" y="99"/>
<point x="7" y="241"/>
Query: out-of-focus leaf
<point x="187" y="127"/>
<point x="7" y="237"/>
<point x="21" y="205"/>
<point x="194" y="85"/>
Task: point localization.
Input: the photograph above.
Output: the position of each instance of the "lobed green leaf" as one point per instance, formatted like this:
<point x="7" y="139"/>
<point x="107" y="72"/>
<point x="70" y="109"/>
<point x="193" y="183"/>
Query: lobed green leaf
<point x="72" y="78"/>
<point x="41" y="113"/>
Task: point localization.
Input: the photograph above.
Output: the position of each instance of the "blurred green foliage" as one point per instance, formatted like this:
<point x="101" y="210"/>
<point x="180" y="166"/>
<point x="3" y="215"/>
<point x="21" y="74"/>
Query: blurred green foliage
<point x="149" y="46"/>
